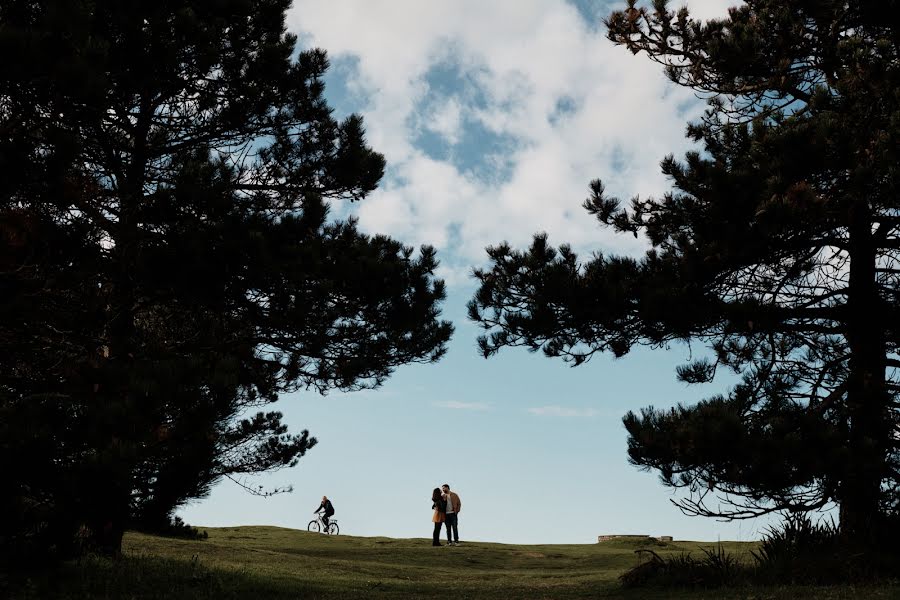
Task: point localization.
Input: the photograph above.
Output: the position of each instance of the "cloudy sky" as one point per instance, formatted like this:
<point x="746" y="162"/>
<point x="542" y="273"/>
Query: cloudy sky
<point x="493" y="117"/>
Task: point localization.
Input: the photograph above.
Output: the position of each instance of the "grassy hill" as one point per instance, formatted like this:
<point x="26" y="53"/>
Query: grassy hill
<point x="275" y="563"/>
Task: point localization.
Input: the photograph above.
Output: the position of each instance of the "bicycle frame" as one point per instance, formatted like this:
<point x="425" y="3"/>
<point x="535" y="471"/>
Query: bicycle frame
<point x="321" y="527"/>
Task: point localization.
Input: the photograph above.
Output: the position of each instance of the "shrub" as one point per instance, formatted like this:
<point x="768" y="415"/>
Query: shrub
<point x="715" y="568"/>
<point x="175" y="527"/>
<point x="800" y="551"/>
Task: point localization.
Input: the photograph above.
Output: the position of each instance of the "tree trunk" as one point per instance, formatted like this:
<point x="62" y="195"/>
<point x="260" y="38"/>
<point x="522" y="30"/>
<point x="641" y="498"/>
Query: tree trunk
<point x="115" y="478"/>
<point x="106" y="537"/>
<point x="868" y="428"/>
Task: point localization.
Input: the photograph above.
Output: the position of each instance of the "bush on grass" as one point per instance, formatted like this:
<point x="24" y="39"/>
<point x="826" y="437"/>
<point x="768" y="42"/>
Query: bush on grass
<point x="175" y="527"/>
<point x="798" y="552"/>
<point x="714" y="569"/>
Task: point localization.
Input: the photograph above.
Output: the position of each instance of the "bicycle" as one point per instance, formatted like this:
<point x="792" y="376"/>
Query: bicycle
<point x="317" y="525"/>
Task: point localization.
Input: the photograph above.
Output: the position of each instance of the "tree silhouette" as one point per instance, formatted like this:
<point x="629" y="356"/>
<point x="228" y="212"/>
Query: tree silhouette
<point x="777" y="247"/>
<point x="168" y="259"/>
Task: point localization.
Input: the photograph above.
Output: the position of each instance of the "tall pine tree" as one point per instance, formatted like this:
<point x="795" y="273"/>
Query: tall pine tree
<point x="777" y="247"/>
<point x="168" y="262"/>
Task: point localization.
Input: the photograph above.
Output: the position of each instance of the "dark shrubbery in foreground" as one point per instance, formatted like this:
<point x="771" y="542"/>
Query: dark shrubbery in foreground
<point x="176" y="527"/>
<point x="715" y="568"/>
<point x="799" y="552"/>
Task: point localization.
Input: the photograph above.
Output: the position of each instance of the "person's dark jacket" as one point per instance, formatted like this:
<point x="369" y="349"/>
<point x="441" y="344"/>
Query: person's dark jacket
<point x="329" y="509"/>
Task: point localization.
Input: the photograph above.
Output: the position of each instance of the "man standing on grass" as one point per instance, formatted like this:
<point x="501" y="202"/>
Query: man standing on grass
<point x="453" y="507"/>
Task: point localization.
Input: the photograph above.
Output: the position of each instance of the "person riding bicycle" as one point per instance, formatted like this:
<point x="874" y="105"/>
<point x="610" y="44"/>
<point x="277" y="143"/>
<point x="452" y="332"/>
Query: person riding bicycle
<point x="328" y="508"/>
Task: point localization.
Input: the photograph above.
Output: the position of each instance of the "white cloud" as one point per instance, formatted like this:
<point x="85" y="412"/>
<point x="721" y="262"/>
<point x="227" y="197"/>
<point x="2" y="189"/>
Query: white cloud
<point x="520" y="62"/>
<point x="453" y="404"/>
<point x="445" y="119"/>
<point x="563" y="411"/>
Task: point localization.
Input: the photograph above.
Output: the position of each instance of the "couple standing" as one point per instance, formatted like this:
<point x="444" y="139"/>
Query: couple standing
<point x="446" y="505"/>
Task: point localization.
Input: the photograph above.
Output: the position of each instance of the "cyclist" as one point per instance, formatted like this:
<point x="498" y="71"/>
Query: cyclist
<point x="328" y="508"/>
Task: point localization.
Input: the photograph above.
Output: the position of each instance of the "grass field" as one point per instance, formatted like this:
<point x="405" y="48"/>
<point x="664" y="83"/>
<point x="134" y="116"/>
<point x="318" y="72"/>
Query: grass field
<point x="275" y="563"/>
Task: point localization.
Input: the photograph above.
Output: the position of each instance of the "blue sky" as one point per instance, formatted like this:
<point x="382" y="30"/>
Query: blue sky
<point x="493" y="118"/>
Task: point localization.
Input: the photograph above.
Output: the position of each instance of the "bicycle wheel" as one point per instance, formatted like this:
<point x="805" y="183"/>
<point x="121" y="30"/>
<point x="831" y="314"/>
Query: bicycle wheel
<point x="314" y="526"/>
<point x="333" y="528"/>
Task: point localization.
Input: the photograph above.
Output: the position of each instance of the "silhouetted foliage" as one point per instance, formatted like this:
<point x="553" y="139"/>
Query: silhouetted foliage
<point x="177" y="528"/>
<point x="798" y="551"/>
<point x="168" y="263"/>
<point x="714" y="568"/>
<point x="778" y="247"/>
<point x="801" y="551"/>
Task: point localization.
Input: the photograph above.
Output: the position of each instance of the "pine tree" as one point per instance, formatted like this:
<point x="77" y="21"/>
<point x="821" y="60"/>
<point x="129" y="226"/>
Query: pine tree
<point x="168" y="258"/>
<point x="777" y="247"/>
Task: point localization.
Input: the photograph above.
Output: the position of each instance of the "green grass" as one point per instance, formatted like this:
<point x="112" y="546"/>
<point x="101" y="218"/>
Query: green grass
<point x="274" y="563"/>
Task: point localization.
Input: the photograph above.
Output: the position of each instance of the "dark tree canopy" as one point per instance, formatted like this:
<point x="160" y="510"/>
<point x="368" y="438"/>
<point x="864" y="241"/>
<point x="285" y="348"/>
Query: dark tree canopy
<point x="778" y="247"/>
<point x="167" y="262"/>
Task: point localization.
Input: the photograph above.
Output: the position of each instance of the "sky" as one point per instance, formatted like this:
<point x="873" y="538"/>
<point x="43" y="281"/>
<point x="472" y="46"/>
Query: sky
<point x="493" y="117"/>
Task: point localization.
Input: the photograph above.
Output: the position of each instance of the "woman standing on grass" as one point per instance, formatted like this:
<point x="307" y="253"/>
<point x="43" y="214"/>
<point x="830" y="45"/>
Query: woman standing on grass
<point x="439" y="506"/>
